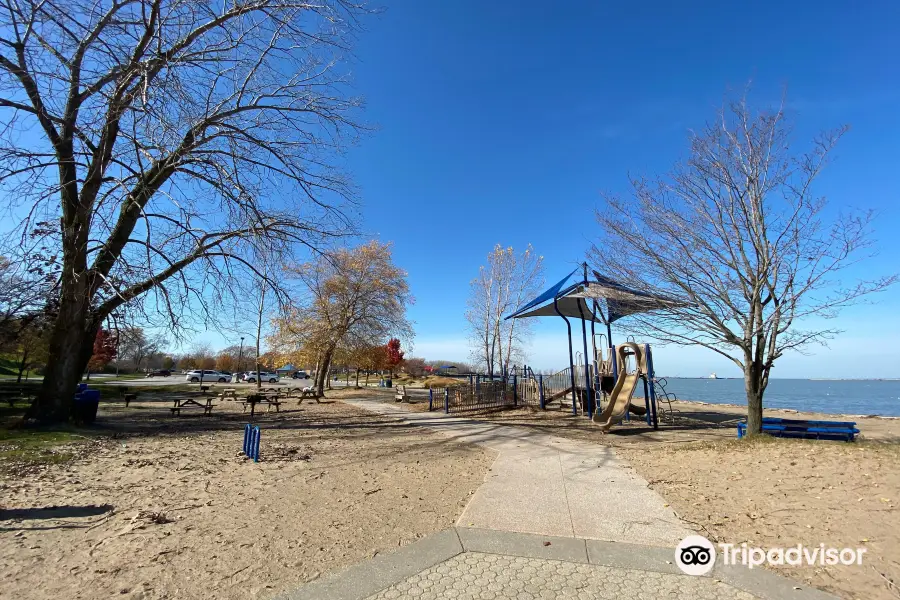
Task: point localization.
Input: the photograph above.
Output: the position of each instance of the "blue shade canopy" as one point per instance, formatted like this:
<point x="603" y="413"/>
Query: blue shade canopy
<point x="287" y="368"/>
<point x="586" y="301"/>
<point x="546" y="295"/>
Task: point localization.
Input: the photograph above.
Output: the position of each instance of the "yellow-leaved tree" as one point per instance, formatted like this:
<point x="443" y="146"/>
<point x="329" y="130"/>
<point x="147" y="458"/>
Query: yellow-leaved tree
<point x="350" y="298"/>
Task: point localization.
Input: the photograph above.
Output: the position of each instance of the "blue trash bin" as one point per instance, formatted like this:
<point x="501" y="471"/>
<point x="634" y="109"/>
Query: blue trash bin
<point x="84" y="407"/>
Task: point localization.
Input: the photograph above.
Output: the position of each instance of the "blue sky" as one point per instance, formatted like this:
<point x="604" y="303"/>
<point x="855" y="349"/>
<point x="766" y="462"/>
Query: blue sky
<point x="502" y="122"/>
<point x="505" y="121"/>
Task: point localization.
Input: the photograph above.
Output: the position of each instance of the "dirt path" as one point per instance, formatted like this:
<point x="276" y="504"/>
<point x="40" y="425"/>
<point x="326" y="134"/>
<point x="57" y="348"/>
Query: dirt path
<point x="183" y="515"/>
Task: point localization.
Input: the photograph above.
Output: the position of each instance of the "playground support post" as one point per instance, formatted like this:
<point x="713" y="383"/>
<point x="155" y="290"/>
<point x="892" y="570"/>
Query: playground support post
<point x="650" y="376"/>
<point x="589" y="400"/>
<point x="648" y="417"/>
<point x="515" y="390"/>
<point x="612" y="348"/>
<point x="430" y="399"/>
<point x="571" y="357"/>
<point x="446" y="401"/>
<point x="541" y="389"/>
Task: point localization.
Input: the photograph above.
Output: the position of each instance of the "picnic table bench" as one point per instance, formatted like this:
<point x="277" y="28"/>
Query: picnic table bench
<point x="253" y="399"/>
<point x="799" y="428"/>
<point x="308" y="392"/>
<point x="229" y="394"/>
<point x="13" y="394"/>
<point x="179" y="403"/>
<point x="401" y="395"/>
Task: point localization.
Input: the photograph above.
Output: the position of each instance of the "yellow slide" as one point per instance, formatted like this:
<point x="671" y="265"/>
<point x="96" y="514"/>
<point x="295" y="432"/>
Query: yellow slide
<point x="620" y="398"/>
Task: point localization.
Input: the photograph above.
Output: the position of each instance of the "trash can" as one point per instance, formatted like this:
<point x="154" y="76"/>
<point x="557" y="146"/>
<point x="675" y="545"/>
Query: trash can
<point x="388" y="383"/>
<point x="84" y="408"/>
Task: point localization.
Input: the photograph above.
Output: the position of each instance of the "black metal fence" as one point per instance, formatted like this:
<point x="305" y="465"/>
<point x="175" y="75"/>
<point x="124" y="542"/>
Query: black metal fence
<point x="475" y="395"/>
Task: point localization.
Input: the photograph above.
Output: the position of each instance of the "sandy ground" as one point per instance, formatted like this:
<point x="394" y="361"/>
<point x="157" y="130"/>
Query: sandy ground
<point x="163" y="512"/>
<point x="768" y="493"/>
<point x="780" y="493"/>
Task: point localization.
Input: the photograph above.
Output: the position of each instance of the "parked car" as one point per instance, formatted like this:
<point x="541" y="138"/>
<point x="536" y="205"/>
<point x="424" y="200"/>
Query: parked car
<point x="204" y="376"/>
<point x="251" y="377"/>
<point x="159" y="373"/>
<point x="300" y="375"/>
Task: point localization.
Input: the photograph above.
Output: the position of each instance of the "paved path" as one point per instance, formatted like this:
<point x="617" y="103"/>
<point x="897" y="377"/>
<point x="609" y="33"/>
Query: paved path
<point x="553" y="486"/>
<point x="554" y="518"/>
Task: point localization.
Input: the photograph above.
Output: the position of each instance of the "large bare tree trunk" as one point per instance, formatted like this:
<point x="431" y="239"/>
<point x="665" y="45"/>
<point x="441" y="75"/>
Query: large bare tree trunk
<point x="753" y="384"/>
<point x="71" y="346"/>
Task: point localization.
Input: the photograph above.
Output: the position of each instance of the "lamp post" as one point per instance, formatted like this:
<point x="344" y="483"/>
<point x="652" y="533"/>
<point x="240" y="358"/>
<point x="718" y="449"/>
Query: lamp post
<point x="241" y="355"/>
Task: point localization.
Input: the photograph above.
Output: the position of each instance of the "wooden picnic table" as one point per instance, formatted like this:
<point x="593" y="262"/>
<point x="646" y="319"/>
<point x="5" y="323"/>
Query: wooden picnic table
<point x="179" y="403"/>
<point x="229" y="394"/>
<point x="253" y="399"/>
<point x="308" y="393"/>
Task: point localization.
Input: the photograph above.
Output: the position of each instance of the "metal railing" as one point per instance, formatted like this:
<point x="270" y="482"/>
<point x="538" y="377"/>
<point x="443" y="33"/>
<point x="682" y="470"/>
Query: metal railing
<point x="480" y="395"/>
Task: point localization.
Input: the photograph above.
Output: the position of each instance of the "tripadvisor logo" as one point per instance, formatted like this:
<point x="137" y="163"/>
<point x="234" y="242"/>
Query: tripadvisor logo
<point x="696" y="555"/>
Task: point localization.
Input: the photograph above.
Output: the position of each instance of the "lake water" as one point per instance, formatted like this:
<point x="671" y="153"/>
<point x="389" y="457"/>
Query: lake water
<point x="854" y="397"/>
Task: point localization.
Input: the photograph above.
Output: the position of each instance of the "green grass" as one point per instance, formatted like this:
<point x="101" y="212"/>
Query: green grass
<point x="120" y="377"/>
<point x="113" y="391"/>
<point x="36" y="446"/>
<point x="9" y="367"/>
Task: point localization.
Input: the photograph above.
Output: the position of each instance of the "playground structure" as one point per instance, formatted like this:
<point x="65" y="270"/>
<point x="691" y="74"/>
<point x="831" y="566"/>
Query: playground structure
<point x="602" y="378"/>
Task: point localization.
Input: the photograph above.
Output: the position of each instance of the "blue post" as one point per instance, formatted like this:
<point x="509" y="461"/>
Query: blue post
<point x="515" y="390"/>
<point x="571" y="356"/>
<point x="541" y="389"/>
<point x="446" y="401"/>
<point x="430" y="399"/>
<point x="251" y="442"/>
<point x="647" y="400"/>
<point x="650" y="376"/>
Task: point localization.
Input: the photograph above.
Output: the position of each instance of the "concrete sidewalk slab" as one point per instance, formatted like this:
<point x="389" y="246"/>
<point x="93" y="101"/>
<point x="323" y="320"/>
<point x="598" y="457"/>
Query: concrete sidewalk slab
<point x="546" y="485"/>
<point x="367" y="578"/>
<point x="476" y="563"/>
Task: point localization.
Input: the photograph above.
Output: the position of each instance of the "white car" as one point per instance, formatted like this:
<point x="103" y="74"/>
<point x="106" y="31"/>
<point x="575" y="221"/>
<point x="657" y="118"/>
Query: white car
<point x="205" y="376"/>
<point x="263" y="376"/>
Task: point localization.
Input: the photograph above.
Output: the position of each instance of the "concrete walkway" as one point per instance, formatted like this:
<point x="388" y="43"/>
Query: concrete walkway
<point x="553" y="486"/>
<point x="554" y="518"/>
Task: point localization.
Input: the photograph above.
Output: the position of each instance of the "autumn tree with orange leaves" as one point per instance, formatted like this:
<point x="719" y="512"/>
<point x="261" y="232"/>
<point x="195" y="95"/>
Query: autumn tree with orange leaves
<point x="353" y="297"/>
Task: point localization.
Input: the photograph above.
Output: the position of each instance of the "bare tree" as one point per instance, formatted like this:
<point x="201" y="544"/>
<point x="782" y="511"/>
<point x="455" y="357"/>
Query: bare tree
<point x="27" y="295"/>
<point x="136" y="346"/>
<point x="175" y="139"/>
<point x="737" y="236"/>
<point x="508" y="280"/>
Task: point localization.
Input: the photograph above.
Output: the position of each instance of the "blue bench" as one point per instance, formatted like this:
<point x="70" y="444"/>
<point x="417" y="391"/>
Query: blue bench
<point x="811" y="430"/>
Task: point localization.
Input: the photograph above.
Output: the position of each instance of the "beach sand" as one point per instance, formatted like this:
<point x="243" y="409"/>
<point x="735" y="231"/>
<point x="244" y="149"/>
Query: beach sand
<point x="168" y="508"/>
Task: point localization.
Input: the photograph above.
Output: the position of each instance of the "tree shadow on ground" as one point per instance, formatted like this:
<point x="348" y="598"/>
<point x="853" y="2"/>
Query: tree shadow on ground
<point x="54" y="513"/>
